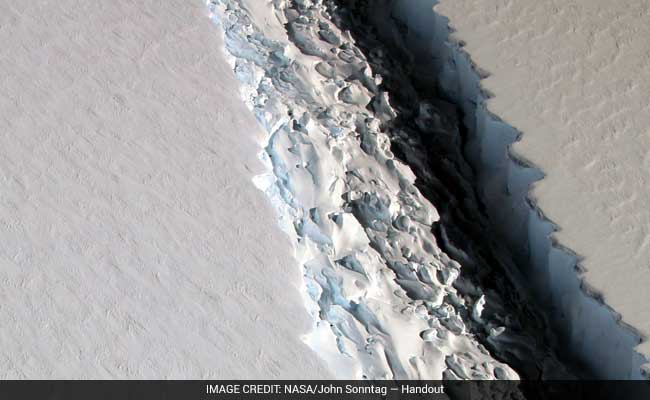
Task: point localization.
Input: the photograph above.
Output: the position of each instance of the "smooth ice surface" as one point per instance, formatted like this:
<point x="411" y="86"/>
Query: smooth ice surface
<point x="573" y="77"/>
<point x="132" y="241"/>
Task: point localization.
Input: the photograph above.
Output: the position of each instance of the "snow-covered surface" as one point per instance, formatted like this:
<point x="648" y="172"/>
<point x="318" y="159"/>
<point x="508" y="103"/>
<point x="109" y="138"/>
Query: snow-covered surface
<point x="573" y="78"/>
<point x="379" y="287"/>
<point x="132" y="242"/>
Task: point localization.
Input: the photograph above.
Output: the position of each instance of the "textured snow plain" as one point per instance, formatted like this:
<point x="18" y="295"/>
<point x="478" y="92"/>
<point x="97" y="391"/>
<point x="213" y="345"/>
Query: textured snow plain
<point x="132" y="242"/>
<point x="386" y="301"/>
<point x="563" y="96"/>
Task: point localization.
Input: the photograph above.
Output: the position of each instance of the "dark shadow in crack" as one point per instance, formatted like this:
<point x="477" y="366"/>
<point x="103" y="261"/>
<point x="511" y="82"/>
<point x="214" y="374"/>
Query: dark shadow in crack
<point x="428" y="135"/>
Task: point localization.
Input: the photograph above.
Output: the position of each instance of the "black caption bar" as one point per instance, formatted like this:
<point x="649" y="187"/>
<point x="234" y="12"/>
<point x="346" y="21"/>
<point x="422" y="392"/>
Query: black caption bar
<point x="334" y="390"/>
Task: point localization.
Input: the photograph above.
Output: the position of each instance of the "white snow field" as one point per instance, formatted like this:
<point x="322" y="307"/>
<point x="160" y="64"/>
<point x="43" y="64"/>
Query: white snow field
<point x="132" y="241"/>
<point x="571" y="78"/>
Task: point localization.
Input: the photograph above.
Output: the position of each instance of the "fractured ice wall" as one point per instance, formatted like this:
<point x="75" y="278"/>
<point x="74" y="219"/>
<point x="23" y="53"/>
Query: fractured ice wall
<point x="589" y="330"/>
<point x="380" y="289"/>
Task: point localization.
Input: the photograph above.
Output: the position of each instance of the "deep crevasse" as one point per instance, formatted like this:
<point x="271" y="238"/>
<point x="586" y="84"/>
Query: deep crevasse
<point x="378" y="285"/>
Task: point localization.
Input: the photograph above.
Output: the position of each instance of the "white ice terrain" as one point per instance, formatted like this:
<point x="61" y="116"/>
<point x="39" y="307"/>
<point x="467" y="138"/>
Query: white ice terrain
<point x="134" y="244"/>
